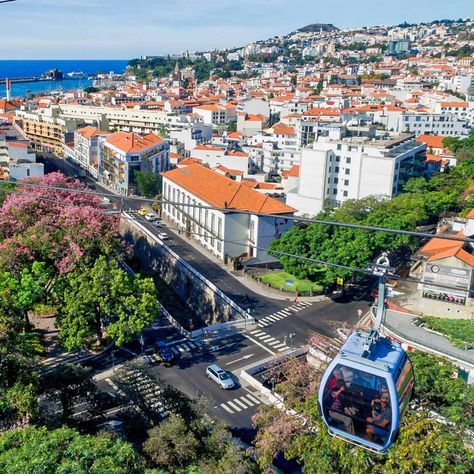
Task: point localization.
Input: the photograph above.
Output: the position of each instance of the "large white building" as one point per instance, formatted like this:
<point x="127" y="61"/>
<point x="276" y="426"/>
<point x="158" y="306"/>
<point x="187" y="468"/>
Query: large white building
<point x="339" y="168"/>
<point x="228" y="234"/>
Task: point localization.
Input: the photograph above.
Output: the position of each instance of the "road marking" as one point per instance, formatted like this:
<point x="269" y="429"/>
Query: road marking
<point x="254" y="399"/>
<point x="283" y="349"/>
<point x="235" y="407"/>
<point x="225" y="407"/>
<point x="186" y="346"/>
<point x="259" y="344"/>
<point x="181" y="349"/>
<point x="272" y="318"/>
<point x="276" y="346"/>
<point x="175" y="350"/>
<point x="257" y="332"/>
<point x="265" y="338"/>
<point x="248" y="356"/>
<point x="243" y="405"/>
<point x="248" y="402"/>
<point x="274" y="343"/>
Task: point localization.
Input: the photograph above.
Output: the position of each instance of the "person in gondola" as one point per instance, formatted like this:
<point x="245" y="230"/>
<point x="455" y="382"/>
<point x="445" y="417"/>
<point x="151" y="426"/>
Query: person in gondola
<point x="379" y="423"/>
<point x="334" y="402"/>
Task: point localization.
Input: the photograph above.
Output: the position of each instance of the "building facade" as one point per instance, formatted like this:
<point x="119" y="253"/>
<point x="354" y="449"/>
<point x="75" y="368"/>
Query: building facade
<point x="122" y="154"/>
<point x="226" y="234"/>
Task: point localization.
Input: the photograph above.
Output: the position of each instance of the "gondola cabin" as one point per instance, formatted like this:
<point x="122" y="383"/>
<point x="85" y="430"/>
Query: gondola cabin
<point x="363" y="394"/>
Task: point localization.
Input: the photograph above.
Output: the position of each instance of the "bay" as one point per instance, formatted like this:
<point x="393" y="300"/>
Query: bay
<point x="27" y="68"/>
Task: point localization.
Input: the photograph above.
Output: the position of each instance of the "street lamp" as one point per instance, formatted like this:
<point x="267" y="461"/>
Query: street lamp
<point x="113" y="360"/>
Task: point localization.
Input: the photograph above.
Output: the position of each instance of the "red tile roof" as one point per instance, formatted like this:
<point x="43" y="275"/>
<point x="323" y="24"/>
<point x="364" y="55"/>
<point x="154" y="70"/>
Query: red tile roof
<point x="220" y="191"/>
<point x="133" y="143"/>
<point x="431" y="141"/>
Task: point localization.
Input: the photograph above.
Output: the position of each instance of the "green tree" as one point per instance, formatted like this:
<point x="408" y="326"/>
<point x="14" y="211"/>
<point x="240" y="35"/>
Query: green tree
<point x="148" y="183"/>
<point x="40" y="451"/>
<point x="105" y="298"/>
<point x="172" y="445"/>
<point x="18" y="295"/>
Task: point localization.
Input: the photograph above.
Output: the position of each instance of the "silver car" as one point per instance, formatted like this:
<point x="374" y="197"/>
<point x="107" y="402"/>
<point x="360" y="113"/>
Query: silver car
<point x="222" y="378"/>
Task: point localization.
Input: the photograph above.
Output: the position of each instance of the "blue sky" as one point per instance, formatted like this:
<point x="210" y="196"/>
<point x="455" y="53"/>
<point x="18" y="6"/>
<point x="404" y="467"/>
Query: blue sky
<point x="116" y="29"/>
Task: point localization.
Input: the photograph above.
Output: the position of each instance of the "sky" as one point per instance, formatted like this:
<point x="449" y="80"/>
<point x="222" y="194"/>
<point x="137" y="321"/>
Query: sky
<point x="122" y="29"/>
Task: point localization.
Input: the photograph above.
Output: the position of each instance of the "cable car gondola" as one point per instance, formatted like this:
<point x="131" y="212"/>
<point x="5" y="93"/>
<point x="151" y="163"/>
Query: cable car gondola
<point x="367" y="386"/>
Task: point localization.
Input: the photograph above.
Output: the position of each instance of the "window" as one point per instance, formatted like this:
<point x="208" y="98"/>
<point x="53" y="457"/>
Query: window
<point x="348" y="160"/>
<point x="345" y="194"/>
<point x="348" y="171"/>
<point x="346" y="182"/>
<point x="334" y="191"/>
<point x="336" y="169"/>
<point x="338" y="146"/>
<point x="338" y="158"/>
<point x="336" y="180"/>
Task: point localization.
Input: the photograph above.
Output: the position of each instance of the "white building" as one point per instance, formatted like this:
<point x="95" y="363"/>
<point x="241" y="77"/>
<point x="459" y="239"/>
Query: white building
<point x="224" y="234"/>
<point x="86" y="149"/>
<point x="337" y="169"/>
<point x="17" y="161"/>
<point x="216" y="114"/>
<point x="432" y="123"/>
<point x="215" y="156"/>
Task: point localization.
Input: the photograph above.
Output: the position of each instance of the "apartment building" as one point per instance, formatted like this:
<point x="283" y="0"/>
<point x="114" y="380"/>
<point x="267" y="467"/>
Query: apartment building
<point x="118" y="119"/>
<point x="47" y="129"/>
<point x="340" y="167"/>
<point x="85" y="151"/>
<point x="431" y="123"/>
<point x="225" y="234"/>
<point x="214" y="156"/>
<point x="17" y="160"/>
<point x="122" y="154"/>
<point x="216" y="114"/>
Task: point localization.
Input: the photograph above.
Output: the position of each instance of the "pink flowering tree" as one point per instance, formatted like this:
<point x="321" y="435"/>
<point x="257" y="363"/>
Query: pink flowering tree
<point x="56" y="226"/>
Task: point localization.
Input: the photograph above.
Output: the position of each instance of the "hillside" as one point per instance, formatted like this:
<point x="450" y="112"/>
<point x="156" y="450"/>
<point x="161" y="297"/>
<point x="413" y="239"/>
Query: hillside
<point x="316" y="27"/>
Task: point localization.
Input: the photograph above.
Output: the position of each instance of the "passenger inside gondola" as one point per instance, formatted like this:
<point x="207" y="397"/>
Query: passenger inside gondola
<point x="354" y="401"/>
<point x="379" y="423"/>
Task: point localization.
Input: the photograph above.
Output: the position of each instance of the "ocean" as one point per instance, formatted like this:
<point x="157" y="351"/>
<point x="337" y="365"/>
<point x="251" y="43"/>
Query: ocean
<point x="22" y="68"/>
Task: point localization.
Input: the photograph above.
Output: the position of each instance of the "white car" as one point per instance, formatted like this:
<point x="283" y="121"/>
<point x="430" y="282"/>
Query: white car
<point x="222" y="378"/>
<point x="163" y="236"/>
<point x="150" y="217"/>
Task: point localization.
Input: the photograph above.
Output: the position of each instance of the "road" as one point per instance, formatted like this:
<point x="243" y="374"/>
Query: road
<point x="282" y="325"/>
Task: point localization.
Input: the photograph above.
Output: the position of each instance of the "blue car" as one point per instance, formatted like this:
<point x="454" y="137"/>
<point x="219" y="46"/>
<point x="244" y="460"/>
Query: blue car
<point x="164" y="352"/>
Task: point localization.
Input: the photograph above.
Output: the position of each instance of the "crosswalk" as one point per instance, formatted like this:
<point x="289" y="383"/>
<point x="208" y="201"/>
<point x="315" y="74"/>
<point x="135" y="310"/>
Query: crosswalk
<point x="270" y="341"/>
<point x="178" y="347"/>
<point x="238" y="404"/>
<point x="283" y="313"/>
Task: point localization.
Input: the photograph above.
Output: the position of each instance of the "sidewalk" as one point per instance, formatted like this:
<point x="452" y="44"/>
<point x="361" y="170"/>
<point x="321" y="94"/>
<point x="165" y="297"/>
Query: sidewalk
<point x="400" y="324"/>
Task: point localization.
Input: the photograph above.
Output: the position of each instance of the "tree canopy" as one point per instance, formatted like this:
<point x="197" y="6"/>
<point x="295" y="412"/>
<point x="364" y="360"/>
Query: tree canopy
<point x="105" y="299"/>
<point x="422" y="202"/>
<point x="41" y="451"/>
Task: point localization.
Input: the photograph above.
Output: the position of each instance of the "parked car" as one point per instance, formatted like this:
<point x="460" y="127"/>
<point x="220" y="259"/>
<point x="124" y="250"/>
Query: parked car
<point x="150" y="217"/>
<point x="163" y="236"/>
<point x="143" y="212"/>
<point x="221" y="377"/>
<point x="165" y="354"/>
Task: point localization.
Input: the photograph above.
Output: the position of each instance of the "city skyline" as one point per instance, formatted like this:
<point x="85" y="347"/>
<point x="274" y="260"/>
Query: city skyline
<point x="88" y="29"/>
